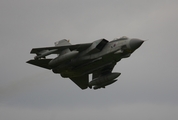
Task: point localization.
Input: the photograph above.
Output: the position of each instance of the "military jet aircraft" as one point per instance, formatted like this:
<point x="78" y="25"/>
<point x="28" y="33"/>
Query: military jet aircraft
<point x="78" y="61"/>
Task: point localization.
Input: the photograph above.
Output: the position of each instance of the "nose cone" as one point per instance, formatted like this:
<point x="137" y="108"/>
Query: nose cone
<point x="135" y="43"/>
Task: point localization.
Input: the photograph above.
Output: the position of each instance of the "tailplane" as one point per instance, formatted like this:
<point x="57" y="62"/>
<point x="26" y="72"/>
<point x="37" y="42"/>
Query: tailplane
<point x="44" y="63"/>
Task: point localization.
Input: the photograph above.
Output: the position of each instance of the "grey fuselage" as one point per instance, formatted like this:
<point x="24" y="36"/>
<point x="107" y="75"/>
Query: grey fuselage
<point x="93" y="59"/>
<point x="78" y="61"/>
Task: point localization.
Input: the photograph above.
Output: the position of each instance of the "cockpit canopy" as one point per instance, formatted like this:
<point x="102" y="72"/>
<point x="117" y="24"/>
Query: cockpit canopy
<point x="122" y="38"/>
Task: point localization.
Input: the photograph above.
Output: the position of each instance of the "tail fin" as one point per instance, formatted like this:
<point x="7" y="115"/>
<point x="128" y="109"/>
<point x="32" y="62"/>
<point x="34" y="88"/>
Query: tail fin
<point x="62" y="42"/>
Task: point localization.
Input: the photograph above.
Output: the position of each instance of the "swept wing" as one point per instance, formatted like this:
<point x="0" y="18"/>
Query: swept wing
<point x="57" y="49"/>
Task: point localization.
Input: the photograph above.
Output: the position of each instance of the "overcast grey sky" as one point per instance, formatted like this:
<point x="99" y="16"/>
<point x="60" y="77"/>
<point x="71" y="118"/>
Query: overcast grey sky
<point x="147" y="88"/>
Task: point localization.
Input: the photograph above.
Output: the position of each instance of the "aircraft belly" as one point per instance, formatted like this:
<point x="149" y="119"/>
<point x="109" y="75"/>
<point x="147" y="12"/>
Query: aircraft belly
<point x="88" y="67"/>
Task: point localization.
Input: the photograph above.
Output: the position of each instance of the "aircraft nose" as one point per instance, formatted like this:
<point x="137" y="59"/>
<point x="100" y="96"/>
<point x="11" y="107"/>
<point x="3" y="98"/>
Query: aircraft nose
<point x="135" y="43"/>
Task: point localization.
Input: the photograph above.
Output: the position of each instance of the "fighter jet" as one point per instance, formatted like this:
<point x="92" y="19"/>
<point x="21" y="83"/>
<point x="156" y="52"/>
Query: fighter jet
<point x="78" y="61"/>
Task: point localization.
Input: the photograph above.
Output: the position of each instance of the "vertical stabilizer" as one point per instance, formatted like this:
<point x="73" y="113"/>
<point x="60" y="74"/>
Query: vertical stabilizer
<point x="63" y="42"/>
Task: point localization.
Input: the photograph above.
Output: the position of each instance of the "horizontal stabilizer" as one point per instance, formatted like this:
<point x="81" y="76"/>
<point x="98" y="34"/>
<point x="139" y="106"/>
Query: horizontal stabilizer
<point x="41" y="63"/>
